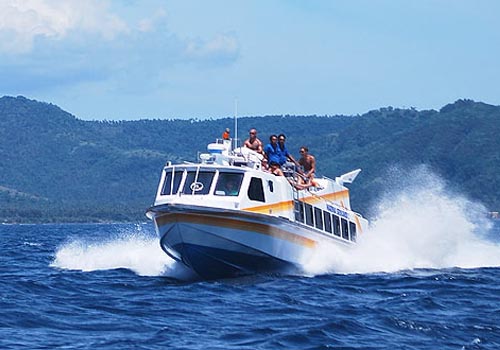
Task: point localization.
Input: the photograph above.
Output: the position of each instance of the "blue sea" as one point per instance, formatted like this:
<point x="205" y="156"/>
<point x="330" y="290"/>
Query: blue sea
<point x="425" y="276"/>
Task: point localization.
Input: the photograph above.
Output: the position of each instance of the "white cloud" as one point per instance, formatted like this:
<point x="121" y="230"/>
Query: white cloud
<point x="149" y="24"/>
<point x="222" y="47"/>
<point x="57" y="45"/>
<point x="24" y="24"/>
<point x="22" y="21"/>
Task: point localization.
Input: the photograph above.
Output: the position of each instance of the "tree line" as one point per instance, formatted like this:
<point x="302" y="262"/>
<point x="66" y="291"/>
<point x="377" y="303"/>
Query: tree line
<point x="57" y="168"/>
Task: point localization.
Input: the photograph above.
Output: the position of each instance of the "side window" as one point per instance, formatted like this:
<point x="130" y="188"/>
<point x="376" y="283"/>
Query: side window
<point x="352" y="228"/>
<point x="198" y="185"/>
<point x="318" y="218"/>
<point x="228" y="184"/>
<point x="169" y="186"/>
<point x="309" y="214"/>
<point x="299" y="211"/>
<point x="336" y="225"/>
<point x="345" y="229"/>
<point x="256" y="190"/>
<point x="271" y="186"/>
<point x="328" y="221"/>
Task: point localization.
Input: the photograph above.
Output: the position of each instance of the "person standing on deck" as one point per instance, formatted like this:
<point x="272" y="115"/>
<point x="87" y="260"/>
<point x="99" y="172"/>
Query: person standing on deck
<point x="253" y="142"/>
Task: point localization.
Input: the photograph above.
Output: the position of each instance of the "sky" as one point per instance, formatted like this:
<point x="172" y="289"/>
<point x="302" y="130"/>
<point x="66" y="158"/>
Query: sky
<point x="150" y="59"/>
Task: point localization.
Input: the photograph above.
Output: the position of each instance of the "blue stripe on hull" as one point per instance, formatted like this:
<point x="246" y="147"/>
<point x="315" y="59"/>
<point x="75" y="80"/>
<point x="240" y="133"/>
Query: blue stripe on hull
<point x="212" y="263"/>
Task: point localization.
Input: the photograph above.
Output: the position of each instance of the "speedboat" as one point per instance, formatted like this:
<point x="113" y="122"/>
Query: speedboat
<point x="226" y="215"/>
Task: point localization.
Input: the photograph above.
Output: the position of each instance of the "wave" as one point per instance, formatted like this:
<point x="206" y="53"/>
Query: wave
<point x="131" y="249"/>
<point x="420" y="223"/>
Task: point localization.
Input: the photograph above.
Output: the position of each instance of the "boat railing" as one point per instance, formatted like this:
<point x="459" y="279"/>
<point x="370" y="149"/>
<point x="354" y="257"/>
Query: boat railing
<point x="220" y="152"/>
<point x="298" y="180"/>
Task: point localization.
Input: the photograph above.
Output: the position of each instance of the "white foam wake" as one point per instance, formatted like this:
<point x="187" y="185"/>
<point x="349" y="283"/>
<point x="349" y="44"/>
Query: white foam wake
<point x="420" y="224"/>
<point x="133" y="250"/>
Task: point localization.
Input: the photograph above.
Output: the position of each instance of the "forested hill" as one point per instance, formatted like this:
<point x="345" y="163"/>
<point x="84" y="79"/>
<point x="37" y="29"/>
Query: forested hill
<point x="55" y="167"/>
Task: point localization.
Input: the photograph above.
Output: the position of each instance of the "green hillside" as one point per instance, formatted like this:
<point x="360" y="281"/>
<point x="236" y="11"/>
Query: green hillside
<point x="55" y="167"/>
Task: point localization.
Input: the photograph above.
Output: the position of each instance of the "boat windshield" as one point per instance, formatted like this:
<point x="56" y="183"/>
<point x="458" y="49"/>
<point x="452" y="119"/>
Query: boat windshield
<point x="172" y="182"/>
<point x="228" y="184"/>
<point x="198" y="182"/>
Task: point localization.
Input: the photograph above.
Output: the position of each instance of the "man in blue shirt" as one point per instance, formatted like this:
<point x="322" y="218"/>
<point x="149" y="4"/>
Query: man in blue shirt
<point x="273" y="155"/>
<point x="272" y="151"/>
<point x="284" y="154"/>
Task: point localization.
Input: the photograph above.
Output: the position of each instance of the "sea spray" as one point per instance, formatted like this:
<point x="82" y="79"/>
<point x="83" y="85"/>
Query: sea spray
<point x="420" y="223"/>
<point x="130" y="249"/>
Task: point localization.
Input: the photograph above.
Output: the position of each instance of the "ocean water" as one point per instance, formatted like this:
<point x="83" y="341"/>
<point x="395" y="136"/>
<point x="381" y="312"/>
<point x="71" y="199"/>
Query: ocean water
<point x="425" y="276"/>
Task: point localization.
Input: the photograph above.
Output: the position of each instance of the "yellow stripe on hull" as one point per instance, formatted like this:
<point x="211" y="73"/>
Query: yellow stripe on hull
<point x="203" y="219"/>
<point x="288" y="205"/>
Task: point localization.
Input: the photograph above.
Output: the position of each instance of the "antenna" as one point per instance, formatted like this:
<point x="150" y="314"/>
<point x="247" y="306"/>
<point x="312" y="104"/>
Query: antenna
<point x="235" y="123"/>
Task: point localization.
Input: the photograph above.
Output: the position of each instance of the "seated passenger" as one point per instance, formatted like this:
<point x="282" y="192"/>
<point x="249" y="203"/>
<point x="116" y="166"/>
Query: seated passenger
<point x="228" y="184"/>
<point x="275" y="169"/>
<point x="230" y="188"/>
<point x="308" y="163"/>
<point x="264" y="164"/>
<point x="272" y="151"/>
<point x="285" y="155"/>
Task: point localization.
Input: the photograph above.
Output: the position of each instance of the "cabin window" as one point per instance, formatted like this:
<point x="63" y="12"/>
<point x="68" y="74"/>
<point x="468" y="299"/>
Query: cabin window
<point x="172" y="182"/>
<point x="309" y="214"/>
<point x="256" y="190"/>
<point x="271" y="186"/>
<point x="345" y="229"/>
<point x="198" y="182"/>
<point x="228" y="184"/>
<point x="318" y="218"/>
<point x="352" y="229"/>
<point x="328" y="221"/>
<point x="299" y="211"/>
<point x="336" y="225"/>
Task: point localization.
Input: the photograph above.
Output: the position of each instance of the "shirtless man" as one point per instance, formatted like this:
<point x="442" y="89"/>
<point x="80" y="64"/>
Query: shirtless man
<point x="308" y="162"/>
<point x="253" y="142"/>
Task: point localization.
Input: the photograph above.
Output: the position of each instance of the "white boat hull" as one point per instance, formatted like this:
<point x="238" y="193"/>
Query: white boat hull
<point x="219" y="243"/>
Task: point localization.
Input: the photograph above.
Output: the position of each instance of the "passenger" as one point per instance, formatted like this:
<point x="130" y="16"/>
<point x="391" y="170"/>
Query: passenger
<point x="265" y="164"/>
<point x="285" y="155"/>
<point x="226" y="134"/>
<point x="230" y="187"/>
<point x="308" y="163"/>
<point x="272" y="151"/>
<point x="253" y="142"/>
<point x="275" y="169"/>
<point x="228" y="184"/>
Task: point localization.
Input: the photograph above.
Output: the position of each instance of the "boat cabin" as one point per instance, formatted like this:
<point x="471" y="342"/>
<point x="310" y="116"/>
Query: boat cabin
<point x="248" y="189"/>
